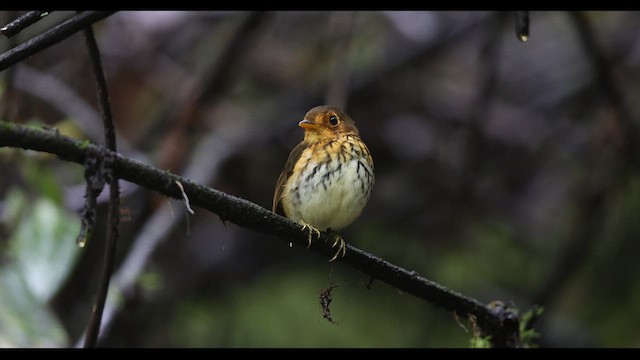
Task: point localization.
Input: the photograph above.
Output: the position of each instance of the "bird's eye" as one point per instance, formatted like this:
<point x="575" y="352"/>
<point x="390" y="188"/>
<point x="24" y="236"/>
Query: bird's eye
<point x="333" y="120"/>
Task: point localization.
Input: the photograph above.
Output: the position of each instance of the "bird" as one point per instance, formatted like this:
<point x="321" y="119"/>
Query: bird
<point x="328" y="177"/>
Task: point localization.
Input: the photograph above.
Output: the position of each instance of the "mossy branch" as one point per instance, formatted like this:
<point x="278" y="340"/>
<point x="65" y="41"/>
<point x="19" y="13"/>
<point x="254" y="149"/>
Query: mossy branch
<point x="500" y="323"/>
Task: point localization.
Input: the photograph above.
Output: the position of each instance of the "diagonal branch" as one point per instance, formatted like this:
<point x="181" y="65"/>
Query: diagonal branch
<point x="13" y="28"/>
<point x="51" y="37"/>
<point x="500" y="323"/>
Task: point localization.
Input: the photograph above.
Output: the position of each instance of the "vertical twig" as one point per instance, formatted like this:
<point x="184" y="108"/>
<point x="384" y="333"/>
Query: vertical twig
<point x="93" y="327"/>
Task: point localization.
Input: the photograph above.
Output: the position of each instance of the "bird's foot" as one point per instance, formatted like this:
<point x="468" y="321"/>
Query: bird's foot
<point x="311" y="230"/>
<point x="342" y="246"/>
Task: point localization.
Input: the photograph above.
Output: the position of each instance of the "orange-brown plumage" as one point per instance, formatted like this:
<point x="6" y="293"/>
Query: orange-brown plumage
<point x="328" y="177"/>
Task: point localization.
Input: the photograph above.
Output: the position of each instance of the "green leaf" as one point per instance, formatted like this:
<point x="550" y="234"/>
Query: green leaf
<point x="480" y="342"/>
<point x="43" y="247"/>
<point x="24" y="321"/>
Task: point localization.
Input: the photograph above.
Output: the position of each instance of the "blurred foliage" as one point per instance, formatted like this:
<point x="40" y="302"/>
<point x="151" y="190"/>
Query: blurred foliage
<point x="40" y="254"/>
<point x="529" y="337"/>
<point x="500" y="173"/>
<point x="361" y="315"/>
<point x="25" y="320"/>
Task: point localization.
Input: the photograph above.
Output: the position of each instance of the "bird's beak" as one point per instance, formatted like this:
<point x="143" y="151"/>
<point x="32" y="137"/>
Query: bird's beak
<point x="307" y="124"/>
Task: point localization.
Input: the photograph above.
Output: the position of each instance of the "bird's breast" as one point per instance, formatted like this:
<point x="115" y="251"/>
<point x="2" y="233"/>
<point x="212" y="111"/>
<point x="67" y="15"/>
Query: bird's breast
<point x="330" y="184"/>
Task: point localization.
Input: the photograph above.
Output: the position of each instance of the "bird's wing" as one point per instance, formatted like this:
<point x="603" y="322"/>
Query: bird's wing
<point x="284" y="175"/>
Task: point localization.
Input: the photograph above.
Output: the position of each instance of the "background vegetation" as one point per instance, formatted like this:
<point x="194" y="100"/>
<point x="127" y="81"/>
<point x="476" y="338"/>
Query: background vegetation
<point x="505" y="170"/>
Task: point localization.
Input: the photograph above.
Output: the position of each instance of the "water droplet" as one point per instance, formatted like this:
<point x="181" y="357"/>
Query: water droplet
<point x="523" y="37"/>
<point x="290" y="244"/>
<point x="81" y="239"/>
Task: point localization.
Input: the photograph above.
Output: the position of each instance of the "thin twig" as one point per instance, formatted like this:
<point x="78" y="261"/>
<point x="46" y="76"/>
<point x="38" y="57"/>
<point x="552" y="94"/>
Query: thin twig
<point x="93" y="327"/>
<point x="22" y="22"/>
<point x="51" y="37"/>
<point x="185" y="197"/>
<point x="498" y="324"/>
<point x="215" y="81"/>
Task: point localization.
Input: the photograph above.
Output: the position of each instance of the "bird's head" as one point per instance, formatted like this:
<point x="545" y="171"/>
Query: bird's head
<point x="327" y="122"/>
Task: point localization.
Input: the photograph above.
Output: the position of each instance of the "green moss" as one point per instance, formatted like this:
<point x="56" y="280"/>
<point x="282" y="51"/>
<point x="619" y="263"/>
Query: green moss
<point x="84" y="144"/>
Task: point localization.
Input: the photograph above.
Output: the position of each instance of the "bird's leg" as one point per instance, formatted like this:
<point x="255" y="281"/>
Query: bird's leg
<point x="311" y="229"/>
<point x="342" y="246"/>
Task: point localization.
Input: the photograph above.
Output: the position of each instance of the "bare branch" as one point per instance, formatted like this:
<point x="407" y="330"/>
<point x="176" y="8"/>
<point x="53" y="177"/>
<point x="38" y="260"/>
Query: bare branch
<point x="500" y="323"/>
<point x="51" y="37"/>
<point x="23" y="22"/>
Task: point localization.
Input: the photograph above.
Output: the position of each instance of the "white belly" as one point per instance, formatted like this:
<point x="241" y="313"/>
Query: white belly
<point x="333" y="196"/>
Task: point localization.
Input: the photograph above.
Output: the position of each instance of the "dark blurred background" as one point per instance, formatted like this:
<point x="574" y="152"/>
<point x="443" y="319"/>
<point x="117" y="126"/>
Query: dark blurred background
<point x="505" y="170"/>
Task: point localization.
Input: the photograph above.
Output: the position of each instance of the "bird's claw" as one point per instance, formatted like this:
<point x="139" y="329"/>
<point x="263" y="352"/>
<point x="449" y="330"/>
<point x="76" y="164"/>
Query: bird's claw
<point x="311" y="231"/>
<point x="339" y="241"/>
<point x="342" y="247"/>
